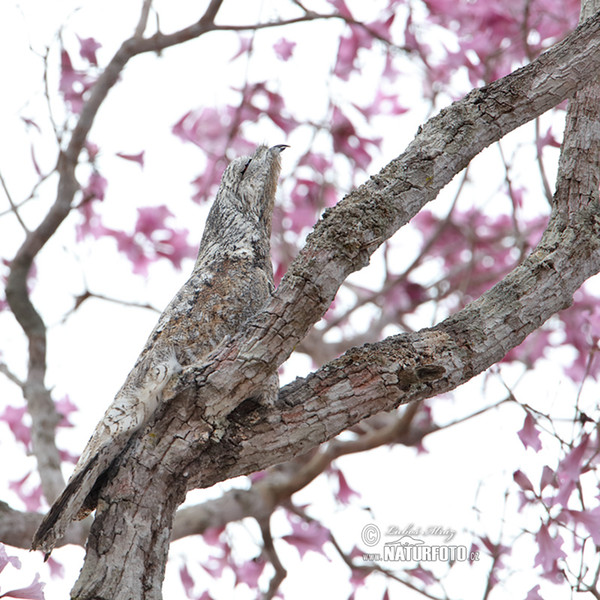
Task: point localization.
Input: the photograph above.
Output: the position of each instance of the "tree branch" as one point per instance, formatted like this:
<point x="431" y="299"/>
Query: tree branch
<point x="13" y="207"/>
<point x="143" y="20"/>
<point x="348" y="233"/>
<point x="205" y="432"/>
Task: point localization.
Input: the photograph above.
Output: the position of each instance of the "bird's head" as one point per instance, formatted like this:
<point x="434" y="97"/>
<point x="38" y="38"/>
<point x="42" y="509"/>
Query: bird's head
<point x="252" y="181"/>
<point x="242" y="212"/>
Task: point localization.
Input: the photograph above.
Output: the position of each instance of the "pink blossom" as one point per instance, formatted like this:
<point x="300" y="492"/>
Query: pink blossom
<point x="307" y="536"/>
<point x="284" y="49"/>
<point x="590" y="519"/>
<point x="31" y="123"/>
<point x="345" y="492"/>
<point x="341" y="8"/>
<point x="56" y="568"/>
<point x="548" y="478"/>
<point x="473" y="552"/>
<point x="15" y="419"/>
<point x="403" y="296"/>
<point x="87" y="49"/>
<point x="186" y="581"/>
<point x="95" y="188"/>
<point x="548" y="139"/>
<point x="245" y="45"/>
<point x="358" y="579"/>
<point x="64" y="407"/>
<point x="410" y="39"/>
<point x="5" y="559"/>
<point x="534" y="594"/>
<point x="133" y="251"/>
<point x="582" y="330"/>
<point x="276" y="111"/>
<point x="549" y="550"/>
<point x="175" y="247"/>
<point x="249" y="572"/>
<point x="317" y="161"/>
<point x="34" y="591"/>
<point x="347" y="142"/>
<point x="66" y="456"/>
<point x="152" y="218"/>
<point x="348" y="48"/>
<point x="31" y="496"/>
<point x="92" y="150"/>
<point x="215" y="565"/>
<point x="390" y="72"/>
<point x="570" y="469"/>
<point x="91" y="224"/>
<point x="138" y="158"/>
<point x="212" y="536"/>
<point x="531" y="349"/>
<point x="484" y="26"/>
<point x="73" y="84"/>
<point x="522" y="480"/>
<point x="208" y="128"/>
<point x="529" y="434"/>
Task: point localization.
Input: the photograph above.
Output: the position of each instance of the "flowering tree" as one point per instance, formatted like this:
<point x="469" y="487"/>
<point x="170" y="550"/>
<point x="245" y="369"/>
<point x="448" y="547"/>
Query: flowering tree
<point x="492" y="281"/>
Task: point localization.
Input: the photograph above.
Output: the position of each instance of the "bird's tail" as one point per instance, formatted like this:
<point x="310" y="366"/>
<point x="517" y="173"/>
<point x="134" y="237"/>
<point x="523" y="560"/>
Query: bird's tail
<point x="74" y="500"/>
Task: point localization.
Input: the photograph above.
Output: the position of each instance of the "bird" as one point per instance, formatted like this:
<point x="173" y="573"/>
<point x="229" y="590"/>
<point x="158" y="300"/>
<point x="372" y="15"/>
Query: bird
<point x="231" y="280"/>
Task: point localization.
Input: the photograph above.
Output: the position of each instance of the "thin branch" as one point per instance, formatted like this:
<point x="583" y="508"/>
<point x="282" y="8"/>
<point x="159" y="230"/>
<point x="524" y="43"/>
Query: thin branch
<point x="13" y="207"/>
<point x="143" y="21"/>
<point x="32" y="193"/>
<point x="301" y="6"/>
<point x="540" y="162"/>
<point x="81" y="298"/>
<point x="211" y="11"/>
<point x="270" y="552"/>
<point x="11" y="376"/>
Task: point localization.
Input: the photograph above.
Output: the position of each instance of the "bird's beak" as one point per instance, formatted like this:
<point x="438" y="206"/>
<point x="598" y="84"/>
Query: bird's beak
<point x="279" y="148"/>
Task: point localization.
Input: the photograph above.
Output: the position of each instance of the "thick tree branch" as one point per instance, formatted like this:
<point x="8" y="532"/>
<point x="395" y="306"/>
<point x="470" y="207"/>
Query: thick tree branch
<point x="282" y="481"/>
<point x="17" y="528"/>
<point x="348" y="233"/>
<point x="205" y="432"/>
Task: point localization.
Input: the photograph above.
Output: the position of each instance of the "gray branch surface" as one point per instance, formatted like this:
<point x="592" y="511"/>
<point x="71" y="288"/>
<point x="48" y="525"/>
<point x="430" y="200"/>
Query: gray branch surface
<point x="205" y="431"/>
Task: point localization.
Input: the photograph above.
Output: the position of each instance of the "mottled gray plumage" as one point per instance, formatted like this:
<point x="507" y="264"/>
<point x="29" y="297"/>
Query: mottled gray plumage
<point x="231" y="280"/>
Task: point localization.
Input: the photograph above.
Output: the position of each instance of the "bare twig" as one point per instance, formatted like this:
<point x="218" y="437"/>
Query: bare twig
<point x="271" y="554"/>
<point x="540" y="162"/>
<point x="81" y="298"/>
<point x="13" y="207"/>
<point x="10" y="375"/>
<point x="143" y="21"/>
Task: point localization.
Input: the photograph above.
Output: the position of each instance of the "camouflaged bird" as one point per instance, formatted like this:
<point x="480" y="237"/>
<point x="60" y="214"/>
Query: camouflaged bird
<point x="231" y="280"/>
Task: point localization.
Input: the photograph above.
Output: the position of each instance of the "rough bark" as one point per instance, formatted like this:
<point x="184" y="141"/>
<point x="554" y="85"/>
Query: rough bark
<point x="205" y="432"/>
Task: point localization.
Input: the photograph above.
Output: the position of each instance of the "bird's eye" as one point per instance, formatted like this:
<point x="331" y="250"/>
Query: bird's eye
<point x="160" y="371"/>
<point x="246" y="166"/>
